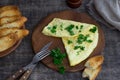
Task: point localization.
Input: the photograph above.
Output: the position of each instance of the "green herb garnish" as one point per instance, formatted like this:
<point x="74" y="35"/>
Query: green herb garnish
<point x="82" y="48"/>
<point x="93" y="30"/>
<point x="58" y="59"/>
<point x="76" y="27"/>
<point x="83" y="38"/>
<point x="89" y="41"/>
<point x="69" y="29"/>
<point x="61" y="25"/>
<point x="81" y="26"/>
<point x="61" y="69"/>
<point x="52" y="29"/>
<point x="79" y="47"/>
<point x="76" y="47"/>
<point x="86" y="37"/>
<point x="71" y="32"/>
<point x="69" y="42"/>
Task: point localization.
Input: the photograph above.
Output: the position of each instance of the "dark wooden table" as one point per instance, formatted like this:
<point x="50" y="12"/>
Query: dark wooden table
<point x="36" y="10"/>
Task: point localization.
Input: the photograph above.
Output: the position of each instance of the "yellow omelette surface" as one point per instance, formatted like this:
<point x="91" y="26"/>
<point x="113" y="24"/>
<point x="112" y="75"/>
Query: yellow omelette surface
<point x="80" y="39"/>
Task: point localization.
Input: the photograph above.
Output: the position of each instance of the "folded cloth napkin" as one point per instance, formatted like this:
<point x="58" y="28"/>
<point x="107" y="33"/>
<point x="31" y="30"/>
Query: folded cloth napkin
<point x="106" y="12"/>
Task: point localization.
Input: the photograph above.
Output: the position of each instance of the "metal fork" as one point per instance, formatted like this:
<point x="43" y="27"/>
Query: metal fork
<point x="26" y="71"/>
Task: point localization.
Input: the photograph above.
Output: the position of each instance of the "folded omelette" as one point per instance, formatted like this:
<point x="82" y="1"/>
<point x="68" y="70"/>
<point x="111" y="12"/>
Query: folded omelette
<point x="80" y="39"/>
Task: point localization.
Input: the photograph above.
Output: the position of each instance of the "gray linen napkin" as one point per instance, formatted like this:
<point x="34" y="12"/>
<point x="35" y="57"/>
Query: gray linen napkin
<point x="106" y="12"/>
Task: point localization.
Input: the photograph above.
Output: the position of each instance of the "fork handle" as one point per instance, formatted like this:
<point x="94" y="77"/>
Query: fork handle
<point x="16" y="75"/>
<point x="26" y="75"/>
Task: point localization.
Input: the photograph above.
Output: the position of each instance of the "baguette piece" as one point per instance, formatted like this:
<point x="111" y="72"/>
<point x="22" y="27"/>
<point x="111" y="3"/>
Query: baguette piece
<point x="93" y="67"/>
<point x="94" y="62"/>
<point x="8" y="41"/>
<point x="90" y="73"/>
<point x="6" y="20"/>
<point x="19" y="32"/>
<point x="11" y="12"/>
<point x="18" y="23"/>
<point x="9" y="7"/>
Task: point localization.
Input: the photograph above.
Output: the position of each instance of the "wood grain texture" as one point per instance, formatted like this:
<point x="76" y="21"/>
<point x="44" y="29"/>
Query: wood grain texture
<point x="39" y="40"/>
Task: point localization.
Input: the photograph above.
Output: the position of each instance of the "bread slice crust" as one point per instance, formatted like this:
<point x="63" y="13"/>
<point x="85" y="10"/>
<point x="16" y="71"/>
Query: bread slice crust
<point x="94" y="62"/>
<point x="19" y="32"/>
<point x="8" y="7"/>
<point x="16" y="24"/>
<point x="10" y="12"/>
<point x="8" y="41"/>
<point x="90" y="73"/>
<point x="10" y="19"/>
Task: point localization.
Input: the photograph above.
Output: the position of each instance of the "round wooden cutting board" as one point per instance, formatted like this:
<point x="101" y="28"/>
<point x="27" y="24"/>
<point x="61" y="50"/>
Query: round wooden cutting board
<point x="39" y="40"/>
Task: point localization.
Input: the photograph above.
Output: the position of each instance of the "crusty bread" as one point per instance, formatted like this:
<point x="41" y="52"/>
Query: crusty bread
<point x="93" y="67"/>
<point x="11" y="12"/>
<point x="4" y="8"/>
<point x="11" y="26"/>
<point x="94" y="62"/>
<point x="91" y="73"/>
<point x="8" y="41"/>
<point x="18" y="23"/>
<point x="10" y="19"/>
<point x="19" y="32"/>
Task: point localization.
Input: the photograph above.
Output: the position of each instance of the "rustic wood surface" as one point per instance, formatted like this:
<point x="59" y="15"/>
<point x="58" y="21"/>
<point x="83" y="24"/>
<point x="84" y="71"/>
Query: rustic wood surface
<point x="35" y="11"/>
<point x="39" y="40"/>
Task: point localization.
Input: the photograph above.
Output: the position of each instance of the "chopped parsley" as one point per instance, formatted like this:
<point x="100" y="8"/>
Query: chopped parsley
<point x="81" y="26"/>
<point x="69" y="29"/>
<point x="81" y="38"/>
<point x="61" y="69"/>
<point x="69" y="42"/>
<point x="76" y="47"/>
<point x="79" y="47"/>
<point x="61" y="25"/>
<point x="82" y="48"/>
<point x="89" y="41"/>
<point x="52" y="29"/>
<point x="58" y="59"/>
<point x="93" y="30"/>
<point x="76" y="27"/>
